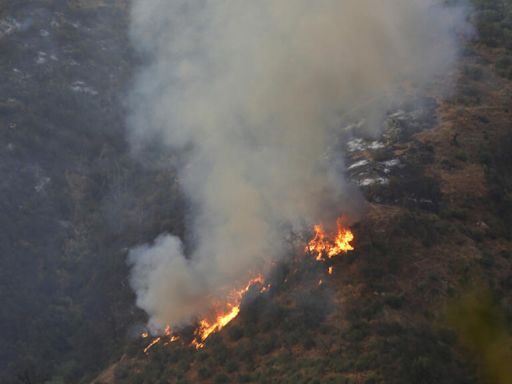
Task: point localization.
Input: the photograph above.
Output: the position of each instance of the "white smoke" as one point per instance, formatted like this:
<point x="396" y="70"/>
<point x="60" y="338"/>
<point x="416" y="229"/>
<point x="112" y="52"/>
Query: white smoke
<point x="256" y="92"/>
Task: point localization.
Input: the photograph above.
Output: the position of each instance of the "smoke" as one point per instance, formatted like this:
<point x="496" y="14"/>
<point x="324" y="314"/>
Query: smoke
<point x="255" y="93"/>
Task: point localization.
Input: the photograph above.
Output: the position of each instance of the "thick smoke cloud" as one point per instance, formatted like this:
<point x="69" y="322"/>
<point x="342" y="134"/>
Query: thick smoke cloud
<point x="256" y="92"/>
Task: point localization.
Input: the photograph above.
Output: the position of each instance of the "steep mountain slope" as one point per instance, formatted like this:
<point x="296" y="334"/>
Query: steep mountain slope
<point x="435" y="235"/>
<point x="436" y="227"/>
<point x="68" y="208"/>
<point x="438" y="186"/>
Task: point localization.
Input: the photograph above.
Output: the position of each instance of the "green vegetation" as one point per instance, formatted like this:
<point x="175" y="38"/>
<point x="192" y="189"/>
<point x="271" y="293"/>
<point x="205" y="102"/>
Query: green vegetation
<point x="74" y="200"/>
<point x="493" y="19"/>
<point x="69" y="201"/>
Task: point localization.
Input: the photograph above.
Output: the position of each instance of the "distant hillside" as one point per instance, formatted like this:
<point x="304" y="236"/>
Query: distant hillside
<point x="426" y="297"/>
<point x="72" y="196"/>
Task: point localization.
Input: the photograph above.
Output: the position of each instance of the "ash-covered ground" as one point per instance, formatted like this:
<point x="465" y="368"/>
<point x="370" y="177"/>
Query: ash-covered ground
<point x="386" y="169"/>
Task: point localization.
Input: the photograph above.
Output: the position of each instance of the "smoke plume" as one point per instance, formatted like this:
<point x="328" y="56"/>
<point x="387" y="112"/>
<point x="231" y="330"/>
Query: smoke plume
<point x="255" y="94"/>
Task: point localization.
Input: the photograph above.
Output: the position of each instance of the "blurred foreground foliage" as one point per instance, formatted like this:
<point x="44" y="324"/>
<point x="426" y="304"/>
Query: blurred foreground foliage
<point x="482" y="328"/>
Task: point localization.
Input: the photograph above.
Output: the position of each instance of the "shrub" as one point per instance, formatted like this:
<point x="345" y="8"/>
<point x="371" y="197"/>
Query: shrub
<point x="395" y="301"/>
<point x="356" y="334"/>
<point x="371" y="379"/>
<point x="504" y="66"/>
<point x="236" y="333"/>
<point x="389" y="329"/>
<point x="308" y="342"/>
<point x="473" y="72"/>
<point x="220" y="353"/>
<point x="231" y="366"/>
<point x="121" y="372"/>
<point x="204" y="372"/>
<point x="137" y="379"/>
<point x="266" y="346"/>
<point x="221" y="378"/>
<point x="461" y="155"/>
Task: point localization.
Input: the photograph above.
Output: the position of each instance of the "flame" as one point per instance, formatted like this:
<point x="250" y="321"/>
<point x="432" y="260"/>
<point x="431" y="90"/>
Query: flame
<point x="172" y="339"/>
<point x="215" y="323"/>
<point x="222" y="314"/>
<point x="167" y="332"/>
<point x="206" y="328"/>
<point x="224" y="317"/>
<point x="323" y="245"/>
<point x="152" y="344"/>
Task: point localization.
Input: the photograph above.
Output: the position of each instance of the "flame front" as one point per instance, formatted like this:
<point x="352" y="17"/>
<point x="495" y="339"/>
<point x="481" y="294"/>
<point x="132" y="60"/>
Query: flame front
<point x="206" y="328"/>
<point x="320" y="246"/>
<point x="152" y="344"/>
<point x="224" y="317"/>
<point x="323" y="245"/>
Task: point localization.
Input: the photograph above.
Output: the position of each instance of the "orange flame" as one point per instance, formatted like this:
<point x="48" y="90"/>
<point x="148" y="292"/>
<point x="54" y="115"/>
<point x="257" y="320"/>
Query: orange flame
<point x="167" y="332"/>
<point x="224" y="317"/>
<point x="321" y="245"/>
<point x="152" y="344"/>
<point x="206" y="328"/>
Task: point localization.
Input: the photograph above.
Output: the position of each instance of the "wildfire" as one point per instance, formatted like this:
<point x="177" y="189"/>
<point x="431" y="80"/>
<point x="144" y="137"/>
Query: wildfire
<point x="172" y="339"/>
<point x="152" y="344"/>
<point x="324" y="245"/>
<point x="223" y="315"/>
<point x="206" y="328"/>
<point x="222" y="318"/>
<point x="167" y="332"/>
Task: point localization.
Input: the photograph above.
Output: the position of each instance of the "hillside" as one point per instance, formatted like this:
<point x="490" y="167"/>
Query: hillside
<point x="436" y="229"/>
<point x="425" y="297"/>
<point x="68" y="211"/>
